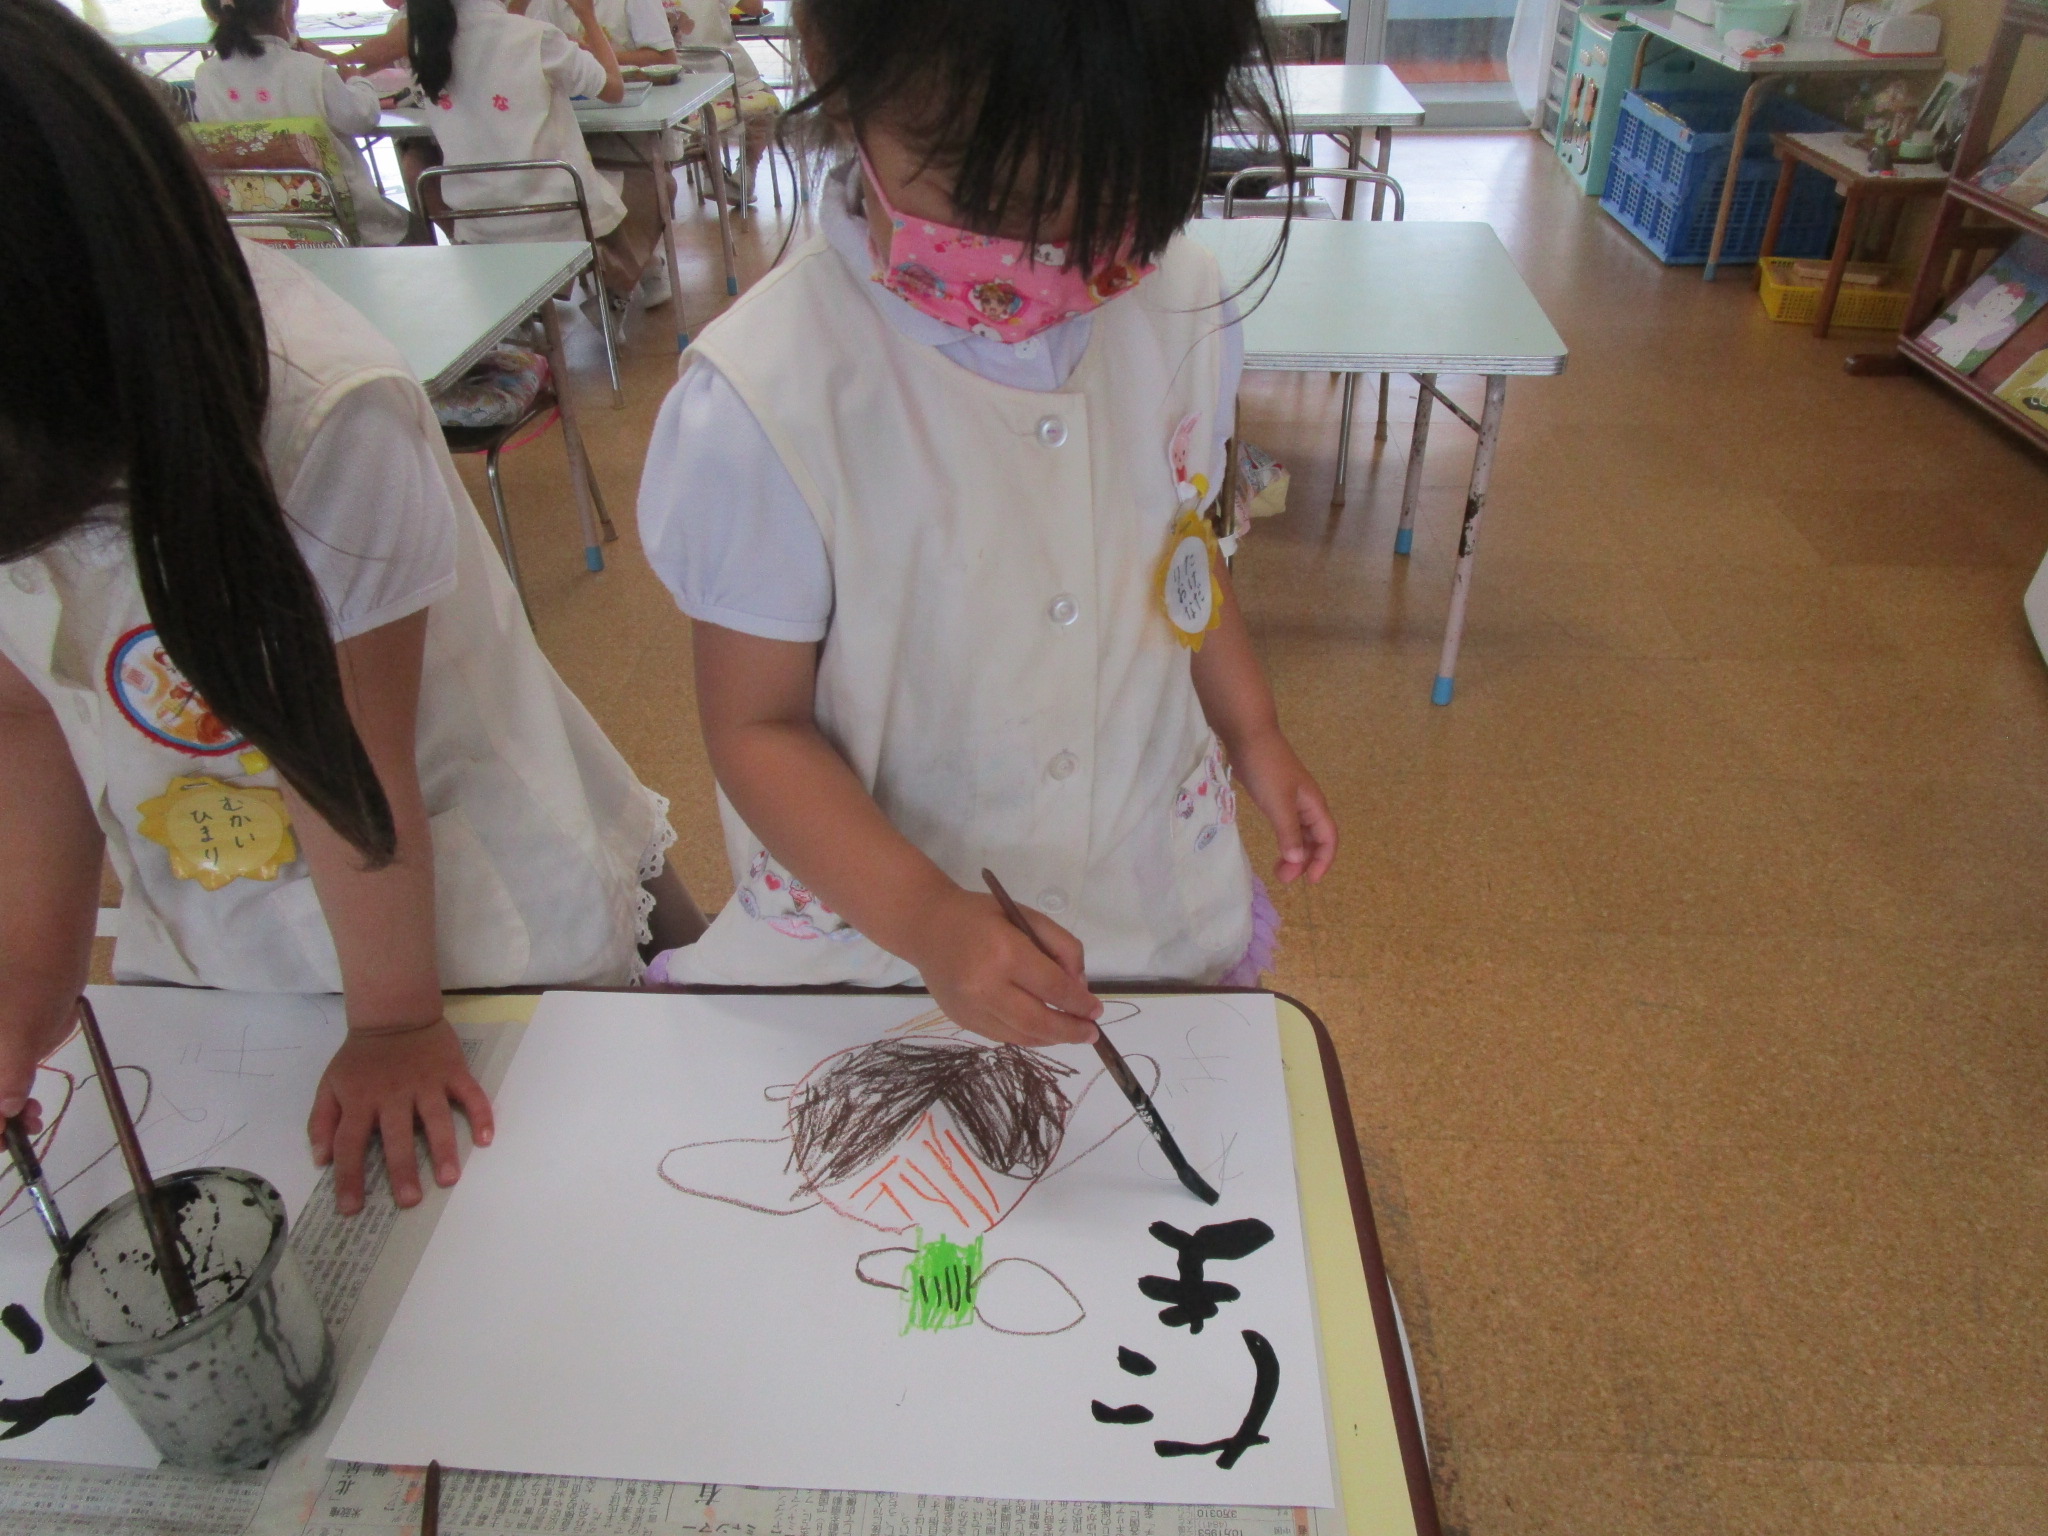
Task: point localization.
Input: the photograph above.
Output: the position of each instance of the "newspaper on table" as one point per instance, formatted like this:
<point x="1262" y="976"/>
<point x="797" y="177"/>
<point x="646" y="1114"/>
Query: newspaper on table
<point x="359" y="1267"/>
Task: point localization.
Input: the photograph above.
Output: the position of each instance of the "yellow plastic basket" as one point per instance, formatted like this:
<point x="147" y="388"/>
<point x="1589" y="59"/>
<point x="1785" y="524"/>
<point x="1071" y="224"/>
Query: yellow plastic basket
<point x="1858" y="307"/>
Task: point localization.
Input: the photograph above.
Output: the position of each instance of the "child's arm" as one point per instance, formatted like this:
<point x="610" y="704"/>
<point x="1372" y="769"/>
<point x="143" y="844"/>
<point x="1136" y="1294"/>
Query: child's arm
<point x="401" y="1061"/>
<point x="49" y="895"/>
<point x="1239" y="705"/>
<point x="756" y="699"/>
<point x="599" y="42"/>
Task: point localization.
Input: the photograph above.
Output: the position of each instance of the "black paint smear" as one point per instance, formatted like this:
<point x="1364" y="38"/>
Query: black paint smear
<point x="1194" y="1300"/>
<point x="1134" y="1413"/>
<point x="25" y="1415"/>
<point x="15" y="1319"/>
<point x="1265" y="1387"/>
<point x="1134" y="1362"/>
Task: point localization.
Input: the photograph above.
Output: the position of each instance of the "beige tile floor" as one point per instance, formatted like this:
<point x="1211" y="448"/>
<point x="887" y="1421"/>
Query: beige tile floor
<point x="1688" y="972"/>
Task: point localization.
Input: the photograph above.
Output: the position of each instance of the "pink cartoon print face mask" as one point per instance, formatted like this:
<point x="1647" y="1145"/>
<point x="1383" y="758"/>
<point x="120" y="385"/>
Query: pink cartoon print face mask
<point x="1002" y="289"/>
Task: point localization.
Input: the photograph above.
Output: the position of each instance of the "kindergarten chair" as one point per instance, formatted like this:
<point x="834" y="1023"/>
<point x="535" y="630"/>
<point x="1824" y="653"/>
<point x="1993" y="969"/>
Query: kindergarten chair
<point x="506" y="401"/>
<point x="1290" y="177"/>
<point x="278" y="172"/>
<point x="579" y="205"/>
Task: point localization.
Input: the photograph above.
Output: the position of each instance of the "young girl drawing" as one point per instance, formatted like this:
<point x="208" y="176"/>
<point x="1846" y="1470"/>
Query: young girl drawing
<point x="501" y="87"/>
<point x="256" y="648"/>
<point x="929" y="492"/>
<point x="259" y="71"/>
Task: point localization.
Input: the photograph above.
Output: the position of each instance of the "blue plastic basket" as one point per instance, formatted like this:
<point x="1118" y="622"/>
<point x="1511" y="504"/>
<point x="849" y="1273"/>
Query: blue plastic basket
<point x="1671" y="156"/>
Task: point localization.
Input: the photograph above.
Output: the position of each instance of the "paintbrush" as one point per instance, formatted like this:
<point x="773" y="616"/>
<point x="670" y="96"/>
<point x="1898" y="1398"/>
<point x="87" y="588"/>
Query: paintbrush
<point x="30" y="1169"/>
<point x="430" y="1501"/>
<point x="163" y="1236"/>
<point x="1119" y="1070"/>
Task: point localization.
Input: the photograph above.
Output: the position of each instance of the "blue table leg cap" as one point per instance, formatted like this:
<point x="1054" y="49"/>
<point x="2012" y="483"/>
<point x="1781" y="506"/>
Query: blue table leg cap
<point x="732" y="285"/>
<point x="1404" y="540"/>
<point x="593" y="557"/>
<point x="1441" y="692"/>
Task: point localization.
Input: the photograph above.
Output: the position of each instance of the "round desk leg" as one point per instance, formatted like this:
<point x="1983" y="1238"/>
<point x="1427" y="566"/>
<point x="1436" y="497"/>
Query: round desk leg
<point x="1845" y="246"/>
<point x="1752" y="98"/>
<point x="1468" y="536"/>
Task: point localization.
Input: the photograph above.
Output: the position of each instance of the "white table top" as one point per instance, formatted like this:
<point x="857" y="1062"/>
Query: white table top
<point x="189" y="32"/>
<point x="1300" y="13"/>
<point x="1842" y="149"/>
<point x="775" y="24"/>
<point x="662" y="107"/>
<point x="1370" y="297"/>
<point x="444" y="306"/>
<point x="1802" y="55"/>
<point x="1347" y="96"/>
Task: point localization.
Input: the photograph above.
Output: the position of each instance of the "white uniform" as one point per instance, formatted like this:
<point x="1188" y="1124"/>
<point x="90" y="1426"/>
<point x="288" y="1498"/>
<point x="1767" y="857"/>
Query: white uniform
<point x="509" y="99"/>
<point x="998" y="670"/>
<point x="541" y="833"/>
<point x="283" y="82"/>
<point x="629" y="23"/>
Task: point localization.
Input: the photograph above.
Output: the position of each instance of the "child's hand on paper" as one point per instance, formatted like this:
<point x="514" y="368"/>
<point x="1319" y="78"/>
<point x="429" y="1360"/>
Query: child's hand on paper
<point x="1287" y="795"/>
<point x="991" y="979"/>
<point x="383" y="1082"/>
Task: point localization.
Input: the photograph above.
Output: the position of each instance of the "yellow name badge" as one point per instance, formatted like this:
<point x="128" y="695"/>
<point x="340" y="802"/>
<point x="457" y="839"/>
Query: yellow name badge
<point x="217" y="832"/>
<point x="1190" y="592"/>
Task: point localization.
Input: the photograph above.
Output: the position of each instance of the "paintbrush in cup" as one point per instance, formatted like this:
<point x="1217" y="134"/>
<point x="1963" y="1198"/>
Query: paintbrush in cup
<point x="163" y="1232"/>
<point x="1113" y="1060"/>
<point x="30" y="1169"/>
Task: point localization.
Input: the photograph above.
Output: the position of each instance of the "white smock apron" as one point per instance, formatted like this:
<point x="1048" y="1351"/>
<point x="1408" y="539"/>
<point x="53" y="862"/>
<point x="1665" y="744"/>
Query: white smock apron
<point x="541" y="833"/>
<point x="999" y="671"/>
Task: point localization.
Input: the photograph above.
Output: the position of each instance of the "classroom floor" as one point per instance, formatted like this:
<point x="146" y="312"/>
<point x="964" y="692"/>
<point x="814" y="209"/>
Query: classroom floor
<point x="1688" y="971"/>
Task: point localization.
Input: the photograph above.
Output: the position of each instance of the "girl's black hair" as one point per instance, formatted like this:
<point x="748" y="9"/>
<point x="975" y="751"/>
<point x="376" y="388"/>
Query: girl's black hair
<point x="430" y="41"/>
<point x="137" y="374"/>
<point x="239" y="25"/>
<point x="1033" y="107"/>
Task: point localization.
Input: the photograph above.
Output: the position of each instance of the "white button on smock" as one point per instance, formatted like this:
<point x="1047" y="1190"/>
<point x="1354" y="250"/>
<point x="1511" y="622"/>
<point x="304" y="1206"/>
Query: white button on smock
<point x="1054" y="900"/>
<point x="1063" y="609"/>
<point x="1063" y="765"/>
<point x="1051" y="431"/>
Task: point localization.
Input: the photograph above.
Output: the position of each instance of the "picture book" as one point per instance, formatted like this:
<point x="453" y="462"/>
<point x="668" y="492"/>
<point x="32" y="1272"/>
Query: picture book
<point x="2018" y="166"/>
<point x="2028" y="340"/>
<point x="2013" y="289"/>
<point x="2027" y="390"/>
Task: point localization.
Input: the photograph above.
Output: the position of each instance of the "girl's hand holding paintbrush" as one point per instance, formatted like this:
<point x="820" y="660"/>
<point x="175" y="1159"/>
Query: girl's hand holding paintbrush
<point x="755" y="699"/>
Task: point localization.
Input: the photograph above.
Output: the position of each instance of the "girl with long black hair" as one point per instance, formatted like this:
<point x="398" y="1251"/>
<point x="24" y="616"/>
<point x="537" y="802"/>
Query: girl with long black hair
<point x="255" y="646"/>
<point x="933" y="491"/>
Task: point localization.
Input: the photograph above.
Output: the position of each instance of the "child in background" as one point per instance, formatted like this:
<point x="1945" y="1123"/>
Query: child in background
<point x="260" y="72"/>
<point x="500" y="87"/>
<point x="638" y="29"/>
<point x="708" y="24"/>
<point x="933" y="492"/>
<point x="256" y="648"/>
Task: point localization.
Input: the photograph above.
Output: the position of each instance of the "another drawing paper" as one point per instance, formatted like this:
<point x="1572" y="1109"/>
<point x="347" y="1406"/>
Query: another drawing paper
<point x="833" y="1242"/>
<point x="214" y="1079"/>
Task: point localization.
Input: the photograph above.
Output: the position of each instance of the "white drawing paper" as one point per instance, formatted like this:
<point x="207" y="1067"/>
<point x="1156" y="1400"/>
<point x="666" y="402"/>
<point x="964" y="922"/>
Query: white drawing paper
<point x="656" y="1273"/>
<point x="213" y="1079"/>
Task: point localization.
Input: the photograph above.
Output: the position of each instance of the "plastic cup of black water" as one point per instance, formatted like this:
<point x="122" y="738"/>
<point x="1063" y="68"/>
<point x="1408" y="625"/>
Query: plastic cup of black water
<point x="231" y="1386"/>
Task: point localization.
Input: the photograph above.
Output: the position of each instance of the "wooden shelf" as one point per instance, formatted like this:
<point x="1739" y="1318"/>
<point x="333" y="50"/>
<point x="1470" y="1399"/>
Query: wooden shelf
<point x="1999" y="208"/>
<point x="2036" y="432"/>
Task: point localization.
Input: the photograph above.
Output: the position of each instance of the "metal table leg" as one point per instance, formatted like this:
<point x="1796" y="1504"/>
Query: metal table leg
<point x="1468" y="537"/>
<point x="590" y="512"/>
<point x="665" y="196"/>
<point x="1418" y="445"/>
<point x="1385" y="137"/>
<point x="1752" y="98"/>
<point x="714" y="161"/>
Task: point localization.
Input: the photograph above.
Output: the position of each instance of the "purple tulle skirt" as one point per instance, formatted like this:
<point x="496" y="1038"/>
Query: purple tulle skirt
<point x="1265" y="945"/>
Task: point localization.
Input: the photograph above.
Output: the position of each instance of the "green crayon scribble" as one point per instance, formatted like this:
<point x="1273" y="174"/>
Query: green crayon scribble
<point x="939" y="1284"/>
